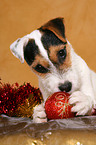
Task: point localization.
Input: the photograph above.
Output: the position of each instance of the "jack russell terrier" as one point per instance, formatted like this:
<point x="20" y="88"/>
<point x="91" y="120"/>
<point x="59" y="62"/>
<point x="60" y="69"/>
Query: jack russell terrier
<point x="50" y="55"/>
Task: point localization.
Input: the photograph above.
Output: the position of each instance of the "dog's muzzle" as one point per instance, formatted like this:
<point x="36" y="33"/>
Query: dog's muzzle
<point x="65" y="87"/>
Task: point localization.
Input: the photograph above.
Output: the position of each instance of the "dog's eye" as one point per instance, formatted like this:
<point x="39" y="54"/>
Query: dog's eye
<point x="41" y="69"/>
<point x="62" y="55"/>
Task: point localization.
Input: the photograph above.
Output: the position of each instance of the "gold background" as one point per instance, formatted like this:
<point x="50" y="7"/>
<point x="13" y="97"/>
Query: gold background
<point x="20" y="17"/>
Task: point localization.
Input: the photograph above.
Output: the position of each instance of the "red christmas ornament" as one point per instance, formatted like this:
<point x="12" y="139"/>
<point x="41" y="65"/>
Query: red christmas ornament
<point x="58" y="107"/>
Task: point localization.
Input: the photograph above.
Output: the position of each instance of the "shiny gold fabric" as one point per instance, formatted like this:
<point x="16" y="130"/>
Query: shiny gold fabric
<point x="22" y="131"/>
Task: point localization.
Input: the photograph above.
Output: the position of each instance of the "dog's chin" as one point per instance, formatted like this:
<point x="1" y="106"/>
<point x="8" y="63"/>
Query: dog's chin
<point x="52" y="91"/>
<point x="70" y="92"/>
<point x="48" y="92"/>
<point x="47" y="89"/>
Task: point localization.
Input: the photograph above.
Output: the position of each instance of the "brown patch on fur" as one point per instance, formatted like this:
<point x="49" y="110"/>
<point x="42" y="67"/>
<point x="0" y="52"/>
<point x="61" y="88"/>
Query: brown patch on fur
<point x="50" y="26"/>
<point x="53" y="50"/>
<point x="39" y="60"/>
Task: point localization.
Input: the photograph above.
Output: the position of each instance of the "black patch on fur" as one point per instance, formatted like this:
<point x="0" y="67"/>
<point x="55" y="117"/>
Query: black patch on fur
<point x="50" y="39"/>
<point x="41" y="69"/>
<point x="30" y="51"/>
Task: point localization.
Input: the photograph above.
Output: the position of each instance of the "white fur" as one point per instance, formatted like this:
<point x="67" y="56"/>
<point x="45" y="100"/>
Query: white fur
<point x="83" y="92"/>
<point x="17" y="46"/>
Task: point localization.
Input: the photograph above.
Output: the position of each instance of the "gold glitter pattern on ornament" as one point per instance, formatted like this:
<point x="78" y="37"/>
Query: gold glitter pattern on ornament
<point x="63" y="105"/>
<point x="57" y="106"/>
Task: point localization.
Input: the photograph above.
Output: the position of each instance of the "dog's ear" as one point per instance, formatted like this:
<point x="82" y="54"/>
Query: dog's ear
<point x="17" y="48"/>
<point x="57" y="27"/>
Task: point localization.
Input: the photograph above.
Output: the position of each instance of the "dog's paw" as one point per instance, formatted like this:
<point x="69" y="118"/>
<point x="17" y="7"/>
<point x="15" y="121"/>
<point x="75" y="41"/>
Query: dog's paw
<point x="82" y="104"/>
<point x="39" y="114"/>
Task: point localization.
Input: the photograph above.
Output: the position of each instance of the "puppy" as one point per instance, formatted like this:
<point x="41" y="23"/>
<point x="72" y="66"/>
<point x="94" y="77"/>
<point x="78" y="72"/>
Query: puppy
<point x="52" y="58"/>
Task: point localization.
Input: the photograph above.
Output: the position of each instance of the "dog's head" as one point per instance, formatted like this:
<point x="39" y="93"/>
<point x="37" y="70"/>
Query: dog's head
<point x="49" y="55"/>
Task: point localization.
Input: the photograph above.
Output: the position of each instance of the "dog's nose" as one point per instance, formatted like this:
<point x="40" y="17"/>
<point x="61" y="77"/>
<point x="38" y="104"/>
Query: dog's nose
<point x="65" y="87"/>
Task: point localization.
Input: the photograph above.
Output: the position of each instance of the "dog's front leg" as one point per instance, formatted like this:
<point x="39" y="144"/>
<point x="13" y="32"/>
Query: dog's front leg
<point x="82" y="103"/>
<point x="83" y="100"/>
<point x="39" y="114"/>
